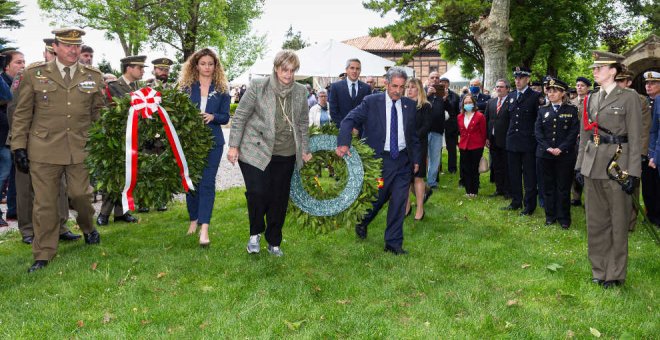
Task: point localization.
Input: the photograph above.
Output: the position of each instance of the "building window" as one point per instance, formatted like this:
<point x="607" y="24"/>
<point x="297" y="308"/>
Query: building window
<point x="433" y="69"/>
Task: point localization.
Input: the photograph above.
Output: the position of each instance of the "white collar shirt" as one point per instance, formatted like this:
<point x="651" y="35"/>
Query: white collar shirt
<point x="388" y="119"/>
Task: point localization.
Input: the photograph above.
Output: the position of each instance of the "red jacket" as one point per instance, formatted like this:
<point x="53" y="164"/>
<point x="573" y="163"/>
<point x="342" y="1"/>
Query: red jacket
<point x="474" y="136"/>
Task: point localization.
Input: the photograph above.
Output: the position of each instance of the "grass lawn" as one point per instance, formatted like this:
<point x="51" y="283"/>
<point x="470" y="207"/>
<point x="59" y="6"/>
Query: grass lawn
<point x="473" y="271"/>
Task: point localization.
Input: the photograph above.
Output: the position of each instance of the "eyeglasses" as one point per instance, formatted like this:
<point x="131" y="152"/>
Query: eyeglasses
<point x="500" y="87"/>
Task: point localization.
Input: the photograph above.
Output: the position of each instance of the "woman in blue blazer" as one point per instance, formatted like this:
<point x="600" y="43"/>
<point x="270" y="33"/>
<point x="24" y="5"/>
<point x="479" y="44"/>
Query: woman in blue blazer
<point x="203" y="78"/>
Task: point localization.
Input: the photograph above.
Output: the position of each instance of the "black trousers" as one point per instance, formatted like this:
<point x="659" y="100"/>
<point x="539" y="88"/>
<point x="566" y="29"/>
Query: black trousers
<point x="451" y="141"/>
<point x="557" y="179"/>
<point x="267" y="195"/>
<point x="470" y="169"/>
<point x="522" y="167"/>
<point x="651" y="192"/>
<point x="499" y="169"/>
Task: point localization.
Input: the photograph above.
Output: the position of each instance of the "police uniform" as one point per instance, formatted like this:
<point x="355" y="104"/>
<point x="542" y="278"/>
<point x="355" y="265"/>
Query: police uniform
<point x="557" y="127"/>
<point x="521" y="145"/>
<point x="119" y="88"/>
<point x="650" y="178"/>
<point x="576" y="188"/>
<point x="612" y="121"/>
<point x="160" y="63"/>
<point x="56" y="106"/>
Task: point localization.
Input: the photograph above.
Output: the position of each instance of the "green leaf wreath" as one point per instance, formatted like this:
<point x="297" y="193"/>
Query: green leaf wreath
<point x="324" y="177"/>
<point x="158" y="174"/>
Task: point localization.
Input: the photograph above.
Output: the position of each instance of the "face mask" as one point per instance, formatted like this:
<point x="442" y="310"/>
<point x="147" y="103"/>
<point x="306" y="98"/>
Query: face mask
<point x="474" y="89"/>
<point x="468" y="107"/>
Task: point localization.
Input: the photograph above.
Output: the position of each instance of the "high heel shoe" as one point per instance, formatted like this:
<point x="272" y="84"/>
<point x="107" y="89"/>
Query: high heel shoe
<point x="192" y="230"/>
<point x="421" y="218"/>
<point x="204" y="242"/>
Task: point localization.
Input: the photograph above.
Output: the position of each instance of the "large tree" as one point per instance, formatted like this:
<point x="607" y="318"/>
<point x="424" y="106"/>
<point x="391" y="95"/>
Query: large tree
<point x="294" y="41"/>
<point x="492" y="34"/>
<point x="546" y="34"/>
<point x="9" y="9"/>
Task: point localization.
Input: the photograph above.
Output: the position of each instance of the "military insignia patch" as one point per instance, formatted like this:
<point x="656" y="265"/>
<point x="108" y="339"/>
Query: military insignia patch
<point x="87" y="85"/>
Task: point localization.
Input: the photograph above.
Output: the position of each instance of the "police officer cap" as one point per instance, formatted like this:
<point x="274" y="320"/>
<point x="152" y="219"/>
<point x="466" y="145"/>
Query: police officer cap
<point x="557" y="84"/>
<point x="536" y="83"/>
<point x="602" y="58"/>
<point x="134" y="60"/>
<point x="162" y="62"/>
<point x="49" y="44"/>
<point x="521" y="71"/>
<point x="584" y="80"/>
<point x="651" y="76"/>
<point x="625" y="75"/>
<point x="69" y="35"/>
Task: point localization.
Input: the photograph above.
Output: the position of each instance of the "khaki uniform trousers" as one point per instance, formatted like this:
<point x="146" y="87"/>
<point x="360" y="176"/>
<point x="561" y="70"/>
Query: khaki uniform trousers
<point x="46" y="181"/>
<point x="608" y="210"/>
<point x="25" y="198"/>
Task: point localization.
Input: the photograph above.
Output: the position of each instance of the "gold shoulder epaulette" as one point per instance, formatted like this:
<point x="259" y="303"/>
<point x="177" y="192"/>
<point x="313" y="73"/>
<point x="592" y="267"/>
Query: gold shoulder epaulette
<point x="92" y="68"/>
<point x="36" y="64"/>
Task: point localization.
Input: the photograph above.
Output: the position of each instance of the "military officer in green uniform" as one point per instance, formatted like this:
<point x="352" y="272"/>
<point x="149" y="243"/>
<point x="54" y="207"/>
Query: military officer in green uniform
<point x="161" y="72"/>
<point x="58" y="101"/>
<point x="611" y="122"/>
<point x="132" y="71"/>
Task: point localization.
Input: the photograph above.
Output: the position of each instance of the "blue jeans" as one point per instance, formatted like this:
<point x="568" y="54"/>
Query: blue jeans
<point x="5" y="163"/>
<point x="435" y="157"/>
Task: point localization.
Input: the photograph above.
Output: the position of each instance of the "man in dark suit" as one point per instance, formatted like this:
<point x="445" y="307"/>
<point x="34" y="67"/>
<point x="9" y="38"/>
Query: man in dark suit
<point x="451" y="125"/>
<point x="346" y="94"/>
<point x="388" y="122"/>
<point x="498" y="124"/>
<point x="523" y="106"/>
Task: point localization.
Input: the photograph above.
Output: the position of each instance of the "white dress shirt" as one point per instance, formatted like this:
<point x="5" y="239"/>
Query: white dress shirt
<point x="388" y="119"/>
<point x="350" y="90"/>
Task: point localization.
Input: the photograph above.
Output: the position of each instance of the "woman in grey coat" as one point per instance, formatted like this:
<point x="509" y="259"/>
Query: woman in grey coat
<point x="268" y="138"/>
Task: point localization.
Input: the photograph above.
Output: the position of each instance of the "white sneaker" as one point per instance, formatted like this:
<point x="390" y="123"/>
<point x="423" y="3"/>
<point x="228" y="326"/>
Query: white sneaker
<point x="276" y="251"/>
<point x="253" y="245"/>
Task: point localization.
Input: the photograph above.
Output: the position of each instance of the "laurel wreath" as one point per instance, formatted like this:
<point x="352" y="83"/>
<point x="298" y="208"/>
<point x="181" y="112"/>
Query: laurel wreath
<point x="323" y="183"/>
<point x="158" y="174"/>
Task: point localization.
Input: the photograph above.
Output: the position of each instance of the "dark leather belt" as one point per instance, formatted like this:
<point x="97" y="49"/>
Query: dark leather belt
<point x="604" y="139"/>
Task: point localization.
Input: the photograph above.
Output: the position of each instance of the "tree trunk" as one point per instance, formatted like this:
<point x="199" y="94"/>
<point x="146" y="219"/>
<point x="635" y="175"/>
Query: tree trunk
<point x="492" y="34"/>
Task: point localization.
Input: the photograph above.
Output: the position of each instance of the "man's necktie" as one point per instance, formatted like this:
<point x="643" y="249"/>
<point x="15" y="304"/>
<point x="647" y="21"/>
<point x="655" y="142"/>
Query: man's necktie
<point x="394" y="132"/>
<point x="353" y="92"/>
<point x="499" y="105"/>
<point x="517" y="95"/>
<point x="67" y="76"/>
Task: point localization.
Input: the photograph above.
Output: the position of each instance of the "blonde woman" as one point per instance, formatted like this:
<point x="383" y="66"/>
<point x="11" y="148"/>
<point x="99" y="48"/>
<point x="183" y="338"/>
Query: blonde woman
<point x="268" y="138"/>
<point x="203" y="78"/>
<point x="423" y="119"/>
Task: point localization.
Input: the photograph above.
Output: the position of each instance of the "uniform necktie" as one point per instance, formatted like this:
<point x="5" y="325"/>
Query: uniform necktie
<point x="394" y="132"/>
<point x="517" y="95"/>
<point x="353" y="93"/>
<point x="67" y="76"/>
<point x="556" y="106"/>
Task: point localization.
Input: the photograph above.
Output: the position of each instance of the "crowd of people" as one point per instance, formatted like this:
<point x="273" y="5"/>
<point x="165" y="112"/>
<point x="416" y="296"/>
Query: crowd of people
<point x="546" y="146"/>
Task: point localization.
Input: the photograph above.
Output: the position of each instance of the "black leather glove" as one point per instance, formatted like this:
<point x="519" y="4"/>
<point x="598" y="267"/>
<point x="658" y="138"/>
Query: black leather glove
<point x="629" y="185"/>
<point x="579" y="178"/>
<point x="21" y="160"/>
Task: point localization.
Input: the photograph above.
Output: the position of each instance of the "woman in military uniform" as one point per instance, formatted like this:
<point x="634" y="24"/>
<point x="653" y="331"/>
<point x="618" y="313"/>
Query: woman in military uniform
<point x="611" y="129"/>
<point x="556" y="130"/>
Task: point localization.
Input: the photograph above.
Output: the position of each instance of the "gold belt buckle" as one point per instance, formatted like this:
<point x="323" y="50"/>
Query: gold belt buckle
<point x="596" y="140"/>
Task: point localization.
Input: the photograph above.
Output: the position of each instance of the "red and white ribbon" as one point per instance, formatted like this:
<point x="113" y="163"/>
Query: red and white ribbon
<point x="145" y="102"/>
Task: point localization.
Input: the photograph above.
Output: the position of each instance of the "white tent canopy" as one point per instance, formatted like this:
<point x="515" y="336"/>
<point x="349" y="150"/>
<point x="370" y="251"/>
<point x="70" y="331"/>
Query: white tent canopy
<point x="324" y="60"/>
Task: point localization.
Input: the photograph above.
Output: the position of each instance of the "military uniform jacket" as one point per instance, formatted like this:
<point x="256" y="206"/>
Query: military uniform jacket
<point x="619" y="112"/>
<point x="556" y="129"/>
<point x="522" y="115"/>
<point x="52" y="120"/>
<point x="119" y="88"/>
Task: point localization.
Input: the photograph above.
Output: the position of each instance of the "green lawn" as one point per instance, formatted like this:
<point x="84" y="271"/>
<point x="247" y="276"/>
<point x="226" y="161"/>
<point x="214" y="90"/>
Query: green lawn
<point x="473" y="271"/>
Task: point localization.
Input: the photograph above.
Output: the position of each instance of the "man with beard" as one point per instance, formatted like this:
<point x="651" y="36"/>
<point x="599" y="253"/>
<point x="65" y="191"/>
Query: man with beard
<point x="86" y="55"/>
<point x="161" y="72"/>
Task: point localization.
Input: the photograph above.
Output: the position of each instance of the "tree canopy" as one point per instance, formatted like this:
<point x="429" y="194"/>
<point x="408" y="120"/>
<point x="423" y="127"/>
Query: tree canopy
<point x="294" y="41"/>
<point x="9" y="9"/>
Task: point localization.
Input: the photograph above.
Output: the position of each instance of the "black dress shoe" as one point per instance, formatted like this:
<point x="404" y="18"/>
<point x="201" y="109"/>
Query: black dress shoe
<point x="163" y="208"/>
<point x="28" y="239"/>
<point x="361" y="231"/>
<point x="550" y="222"/>
<point x="395" y="250"/>
<point x="143" y="210"/>
<point x="102" y="220"/>
<point x="576" y="203"/>
<point x="69" y="236"/>
<point x="38" y="264"/>
<point x="428" y="194"/>
<point x="612" y="283"/>
<point x="565" y="226"/>
<point x="128" y="218"/>
<point x="3" y="223"/>
<point x="511" y="207"/>
<point x="93" y="238"/>
<point x="527" y="213"/>
<point x="597" y="281"/>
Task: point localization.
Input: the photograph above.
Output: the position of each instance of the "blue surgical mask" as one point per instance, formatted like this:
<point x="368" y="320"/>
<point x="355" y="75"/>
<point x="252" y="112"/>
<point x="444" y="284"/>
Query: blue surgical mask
<point x="468" y="107"/>
<point x="474" y="89"/>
